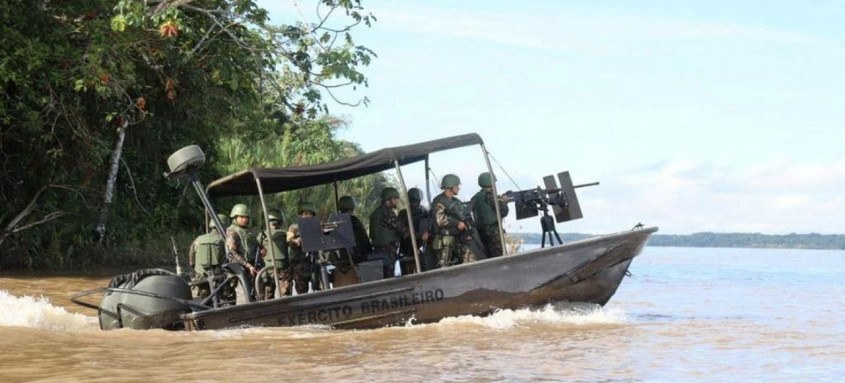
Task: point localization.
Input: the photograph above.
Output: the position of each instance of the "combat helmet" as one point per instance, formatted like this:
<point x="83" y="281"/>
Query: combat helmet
<point x="485" y="179"/>
<point x="388" y="193"/>
<point x="346" y="203"/>
<point x="239" y="210"/>
<point x="224" y="220"/>
<point x="449" y="181"/>
<point x="274" y="215"/>
<point x="306" y="206"/>
<point x="415" y="194"/>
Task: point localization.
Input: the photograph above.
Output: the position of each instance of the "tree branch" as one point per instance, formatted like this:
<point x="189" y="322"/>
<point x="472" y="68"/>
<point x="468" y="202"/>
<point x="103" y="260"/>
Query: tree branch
<point x="12" y="226"/>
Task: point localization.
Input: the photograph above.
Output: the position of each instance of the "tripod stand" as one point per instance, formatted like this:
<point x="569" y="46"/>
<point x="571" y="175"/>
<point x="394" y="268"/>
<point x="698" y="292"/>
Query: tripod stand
<point x="548" y="225"/>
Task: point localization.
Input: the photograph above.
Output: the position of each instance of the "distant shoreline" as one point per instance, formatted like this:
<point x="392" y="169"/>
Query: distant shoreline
<point x="708" y="239"/>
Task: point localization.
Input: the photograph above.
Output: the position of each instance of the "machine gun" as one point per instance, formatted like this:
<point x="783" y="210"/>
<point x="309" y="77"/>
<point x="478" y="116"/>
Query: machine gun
<point x="563" y="200"/>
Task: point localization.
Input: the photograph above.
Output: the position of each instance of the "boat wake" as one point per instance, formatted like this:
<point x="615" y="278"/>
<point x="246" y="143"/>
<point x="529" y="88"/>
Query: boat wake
<point x="568" y="314"/>
<point x="39" y="313"/>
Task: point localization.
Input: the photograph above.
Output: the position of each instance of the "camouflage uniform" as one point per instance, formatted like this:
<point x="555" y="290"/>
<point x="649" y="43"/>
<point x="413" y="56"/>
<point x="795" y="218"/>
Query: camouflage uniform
<point x="449" y="242"/>
<point x="240" y="244"/>
<point x="347" y="204"/>
<point x="275" y="240"/>
<point x="300" y="264"/>
<point x="206" y="254"/>
<point x="363" y="246"/>
<point x="488" y="225"/>
<point x="406" y="247"/>
<point x="417" y="215"/>
<point x="386" y="230"/>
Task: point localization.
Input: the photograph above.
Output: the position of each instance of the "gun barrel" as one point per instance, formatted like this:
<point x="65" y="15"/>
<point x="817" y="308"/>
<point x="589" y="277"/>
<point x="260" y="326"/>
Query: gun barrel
<point x="585" y="185"/>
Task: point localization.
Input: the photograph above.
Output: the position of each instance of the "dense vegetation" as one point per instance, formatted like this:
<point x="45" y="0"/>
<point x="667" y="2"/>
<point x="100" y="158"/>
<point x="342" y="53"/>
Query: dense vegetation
<point x="748" y="240"/>
<point x="97" y="93"/>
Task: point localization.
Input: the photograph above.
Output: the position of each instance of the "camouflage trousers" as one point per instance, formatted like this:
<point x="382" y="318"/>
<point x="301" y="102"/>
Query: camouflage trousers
<point x="492" y="241"/>
<point x="202" y="288"/>
<point x="266" y="288"/>
<point x="451" y="250"/>
<point x="300" y="275"/>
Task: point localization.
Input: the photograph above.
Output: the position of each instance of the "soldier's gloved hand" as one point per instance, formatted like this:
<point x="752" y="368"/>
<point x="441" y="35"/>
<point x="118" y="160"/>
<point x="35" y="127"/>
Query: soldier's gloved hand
<point x="462" y="226"/>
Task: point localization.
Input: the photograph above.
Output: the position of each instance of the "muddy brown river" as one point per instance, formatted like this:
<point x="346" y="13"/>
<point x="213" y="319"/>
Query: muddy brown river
<point x="685" y="315"/>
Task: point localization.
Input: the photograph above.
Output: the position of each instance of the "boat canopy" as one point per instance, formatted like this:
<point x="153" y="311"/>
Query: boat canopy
<point x="275" y="180"/>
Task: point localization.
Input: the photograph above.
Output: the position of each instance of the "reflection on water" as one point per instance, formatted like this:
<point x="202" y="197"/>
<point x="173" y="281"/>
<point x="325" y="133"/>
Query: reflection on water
<point x="685" y="315"/>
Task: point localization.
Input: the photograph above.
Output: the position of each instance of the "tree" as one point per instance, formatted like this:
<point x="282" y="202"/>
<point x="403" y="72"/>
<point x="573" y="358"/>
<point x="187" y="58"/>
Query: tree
<point x="302" y="144"/>
<point x="78" y="75"/>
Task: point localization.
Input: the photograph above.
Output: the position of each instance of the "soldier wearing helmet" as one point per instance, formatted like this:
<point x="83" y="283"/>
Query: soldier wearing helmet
<point x="301" y="265"/>
<point x="451" y="225"/>
<point x="206" y="254"/>
<point x="484" y="210"/>
<point x="240" y="244"/>
<point x="363" y="246"/>
<point x="274" y="239"/>
<point x="386" y="229"/>
<point x="419" y="215"/>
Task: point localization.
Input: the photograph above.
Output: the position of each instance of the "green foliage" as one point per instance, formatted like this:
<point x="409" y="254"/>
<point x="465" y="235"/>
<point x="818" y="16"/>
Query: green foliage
<point x="306" y="143"/>
<point x="203" y="72"/>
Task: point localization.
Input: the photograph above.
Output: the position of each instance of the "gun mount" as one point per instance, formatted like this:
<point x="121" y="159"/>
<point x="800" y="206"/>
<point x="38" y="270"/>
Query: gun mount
<point x="563" y="200"/>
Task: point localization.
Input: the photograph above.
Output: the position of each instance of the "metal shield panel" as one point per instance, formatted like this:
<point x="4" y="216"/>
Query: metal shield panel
<point x="572" y="208"/>
<point x="335" y="234"/>
<point x="550" y="183"/>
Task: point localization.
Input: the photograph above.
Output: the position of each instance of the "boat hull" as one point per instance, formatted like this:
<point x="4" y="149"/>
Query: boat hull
<point x="588" y="271"/>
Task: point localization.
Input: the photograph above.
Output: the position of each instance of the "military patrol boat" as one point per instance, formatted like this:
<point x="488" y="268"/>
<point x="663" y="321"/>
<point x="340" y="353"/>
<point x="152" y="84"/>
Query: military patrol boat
<point x="588" y="270"/>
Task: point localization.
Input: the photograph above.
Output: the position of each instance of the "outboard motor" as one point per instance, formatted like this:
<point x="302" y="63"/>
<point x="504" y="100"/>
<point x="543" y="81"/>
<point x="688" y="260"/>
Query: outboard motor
<point x="145" y="299"/>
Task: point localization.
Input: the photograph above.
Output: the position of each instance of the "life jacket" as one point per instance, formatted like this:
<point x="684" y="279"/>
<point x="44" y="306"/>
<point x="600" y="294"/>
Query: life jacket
<point x="249" y="243"/>
<point x="382" y="233"/>
<point x="276" y="242"/>
<point x="209" y="251"/>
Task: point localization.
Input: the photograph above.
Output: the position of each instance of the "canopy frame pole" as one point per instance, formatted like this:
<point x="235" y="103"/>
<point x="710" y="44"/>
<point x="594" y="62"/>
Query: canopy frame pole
<point x="427" y="182"/>
<point x="412" y="231"/>
<point x="496" y="201"/>
<point x="277" y="293"/>
<point x="195" y="181"/>
<point x="336" y="197"/>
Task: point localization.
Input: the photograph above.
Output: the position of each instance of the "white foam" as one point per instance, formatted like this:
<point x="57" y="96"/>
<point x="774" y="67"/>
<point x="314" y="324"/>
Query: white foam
<point x="38" y="313"/>
<point x="568" y="315"/>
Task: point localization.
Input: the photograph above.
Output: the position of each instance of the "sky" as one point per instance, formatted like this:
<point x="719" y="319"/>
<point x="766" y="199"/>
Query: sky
<point x="719" y="116"/>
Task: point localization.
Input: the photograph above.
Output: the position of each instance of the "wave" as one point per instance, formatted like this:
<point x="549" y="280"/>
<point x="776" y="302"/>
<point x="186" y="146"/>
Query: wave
<point x="566" y="314"/>
<point x="39" y="313"/>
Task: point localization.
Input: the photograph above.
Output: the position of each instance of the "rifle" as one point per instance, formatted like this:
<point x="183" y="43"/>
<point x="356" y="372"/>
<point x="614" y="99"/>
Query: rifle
<point x="258" y="261"/>
<point x="472" y="239"/>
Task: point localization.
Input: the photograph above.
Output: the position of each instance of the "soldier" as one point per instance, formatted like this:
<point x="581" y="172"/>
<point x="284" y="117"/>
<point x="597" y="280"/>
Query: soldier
<point x="386" y="229"/>
<point x="239" y="243"/>
<point x="206" y="255"/>
<point x="363" y="246"/>
<point x="451" y="227"/>
<point x="301" y="264"/>
<point x="485" y="215"/>
<point x="275" y="239"/>
<point x="422" y="234"/>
